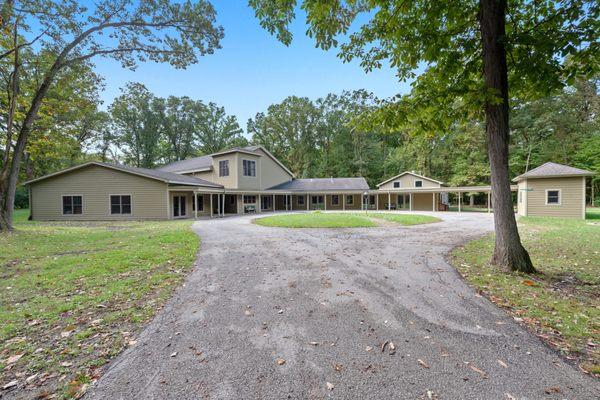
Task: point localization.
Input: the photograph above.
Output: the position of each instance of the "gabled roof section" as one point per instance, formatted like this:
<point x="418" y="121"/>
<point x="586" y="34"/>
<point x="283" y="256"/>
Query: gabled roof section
<point x="322" y="184"/>
<point x="205" y="163"/>
<point x="552" y="170"/>
<point x="167" y="177"/>
<point x="409" y="173"/>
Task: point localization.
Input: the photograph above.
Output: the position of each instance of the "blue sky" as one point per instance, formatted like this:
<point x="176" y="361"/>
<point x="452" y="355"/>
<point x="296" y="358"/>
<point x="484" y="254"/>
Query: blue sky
<point x="252" y="70"/>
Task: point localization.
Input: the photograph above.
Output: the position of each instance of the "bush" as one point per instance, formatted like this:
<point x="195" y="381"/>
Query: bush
<point x="22" y="197"/>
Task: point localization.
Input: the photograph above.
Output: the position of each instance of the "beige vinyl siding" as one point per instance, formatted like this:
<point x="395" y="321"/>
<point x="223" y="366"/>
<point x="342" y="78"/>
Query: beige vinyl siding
<point x="229" y="182"/>
<point x="249" y="182"/>
<point x="407" y="181"/>
<point x="571" y="197"/>
<point x="422" y="201"/>
<point x="271" y="173"/>
<point x="95" y="184"/>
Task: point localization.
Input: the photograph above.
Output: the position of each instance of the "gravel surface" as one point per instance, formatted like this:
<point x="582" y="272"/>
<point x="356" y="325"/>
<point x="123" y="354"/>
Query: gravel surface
<point x="276" y="313"/>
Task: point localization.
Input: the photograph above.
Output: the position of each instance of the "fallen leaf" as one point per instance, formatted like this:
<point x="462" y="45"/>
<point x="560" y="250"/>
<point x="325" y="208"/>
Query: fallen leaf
<point x="173" y="354"/>
<point x="528" y="282"/>
<point x="14" y="359"/>
<point x="280" y="361"/>
<point x="330" y="386"/>
<point x="392" y="347"/>
<point x="31" y="378"/>
<point x="422" y="363"/>
<point x="553" y="389"/>
<point x="383" y="345"/>
<point x="10" y="384"/>
<point x="337" y="367"/>
<point x="502" y="363"/>
<point x="480" y="372"/>
<point x="66" y="364"/>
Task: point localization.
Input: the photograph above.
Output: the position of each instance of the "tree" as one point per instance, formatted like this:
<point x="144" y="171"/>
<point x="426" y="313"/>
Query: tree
<point x="215" y="130"/>
<point x="125" y="30"/>
<point x="463" y="47"/>
<point x="138" y="120"/>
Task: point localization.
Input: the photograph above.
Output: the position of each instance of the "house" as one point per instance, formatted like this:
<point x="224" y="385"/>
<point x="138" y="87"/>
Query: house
<point x="552" y="190"/>
<point x="250" y="179"/>
<point x="235" y="181"/>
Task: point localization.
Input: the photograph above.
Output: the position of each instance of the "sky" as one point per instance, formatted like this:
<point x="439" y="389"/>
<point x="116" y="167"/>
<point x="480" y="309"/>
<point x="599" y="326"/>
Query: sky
<point x="252" y="70"/>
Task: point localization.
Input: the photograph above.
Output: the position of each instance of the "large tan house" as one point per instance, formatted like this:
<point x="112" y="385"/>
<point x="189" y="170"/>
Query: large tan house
<point x="235" y="181"/>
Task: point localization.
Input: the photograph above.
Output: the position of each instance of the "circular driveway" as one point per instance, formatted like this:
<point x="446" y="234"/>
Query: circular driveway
<point x="277" y="313"/>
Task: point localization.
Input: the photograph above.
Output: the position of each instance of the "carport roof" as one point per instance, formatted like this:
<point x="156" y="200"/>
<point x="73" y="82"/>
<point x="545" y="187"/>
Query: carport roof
<point x="552" y="170"/>
<point x="323" y="185"/>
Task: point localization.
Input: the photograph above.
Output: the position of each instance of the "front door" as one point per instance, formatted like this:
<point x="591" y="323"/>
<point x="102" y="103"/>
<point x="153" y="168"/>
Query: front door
<point x="179" y="206"/>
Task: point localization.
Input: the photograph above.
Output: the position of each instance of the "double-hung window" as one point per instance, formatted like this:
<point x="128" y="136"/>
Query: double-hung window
<point x="553" y="197"/>
<point x="249" y="199"/>
<point x="72" y="205"/>
<point x="249" y="167"/>
<point x="120" y="204"/>
<point x="335" y="200"/>
<point x="224" y="168"/>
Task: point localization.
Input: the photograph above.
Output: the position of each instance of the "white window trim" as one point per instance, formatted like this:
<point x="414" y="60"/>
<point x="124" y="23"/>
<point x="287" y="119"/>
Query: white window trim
<point x="255" y="172"/>
<point x="62" y="211"/>
<point x="110" y="204"/>
<point x="420" y="180"/>
<point x="559" y="197"/>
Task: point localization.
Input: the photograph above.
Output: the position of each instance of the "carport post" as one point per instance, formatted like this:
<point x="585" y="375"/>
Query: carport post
<point x="377" y="201"/>
<point x="410" y="201"/>
<point x="307" y="203"/>
<point x="325" y="201"/>
<point x="362" y="201"/>
<point x="389" y="201"/>
<point x="273" y="205"/>
<point x="343" y="202"/>
<point x="259" y="203"/>
<point x="195" y="203"/>
<point x="433" y="202"/>
<point x="211" y="205"/>
<point x="291" y="202"/>
<point x="459" y="201"/>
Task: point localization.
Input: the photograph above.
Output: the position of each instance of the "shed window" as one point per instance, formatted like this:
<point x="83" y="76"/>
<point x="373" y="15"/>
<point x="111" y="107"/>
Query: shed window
<point x="553" y="197"/>
<point x="120" y="204"/>
<point x="418" y="183"/>
<point x="249" y="167"/>
<point x="249" y="199"/>
<point x="335" y="200"/>
<point x="72" y="205"/>
<point x="224" y="168"/>
<point x="396" y="184"/>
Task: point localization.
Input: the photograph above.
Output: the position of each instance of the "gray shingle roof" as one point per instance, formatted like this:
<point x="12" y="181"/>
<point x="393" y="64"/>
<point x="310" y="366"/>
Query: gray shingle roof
<point x="323" y="184"/>
<point x="167" y="177"/>
<point x="189" y="164"/>
<point x="551" y="169"/>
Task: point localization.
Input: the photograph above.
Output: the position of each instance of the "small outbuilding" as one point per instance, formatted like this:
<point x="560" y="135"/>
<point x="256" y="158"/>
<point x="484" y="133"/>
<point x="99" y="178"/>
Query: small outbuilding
<point x="552" y="190"/>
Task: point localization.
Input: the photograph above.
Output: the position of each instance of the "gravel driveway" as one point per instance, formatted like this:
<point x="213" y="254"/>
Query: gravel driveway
<point x="274" y="313"/>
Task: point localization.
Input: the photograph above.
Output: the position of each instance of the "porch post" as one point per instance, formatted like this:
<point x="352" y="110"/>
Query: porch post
<point x="433" y="203"/>
<point x="362" y="201"/>
<point x="211" y="204"/>
<point x="291" y="202"/>
<point x="223" y="208"/>
<point x="389" y="201"/>
<point x="195" y="203"/>
<point x="377" y="201"/>
<point x="410" y="196"/>
<point x="259" y="203"/>
<point x="488" y="201"/>
<point x="273" y="205"/>
<point x="343" y="202"/>
<point x="325" y="201"/>
<point x="307" y="202"/>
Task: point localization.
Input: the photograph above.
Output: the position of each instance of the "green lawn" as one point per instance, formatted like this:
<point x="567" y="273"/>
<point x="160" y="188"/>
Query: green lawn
<point x="562" y="302"/>
<point x="316" y="220"/>
<point x="75" y="294"/>
<point x="404" y="219"/>
<point x="341" y="220"/>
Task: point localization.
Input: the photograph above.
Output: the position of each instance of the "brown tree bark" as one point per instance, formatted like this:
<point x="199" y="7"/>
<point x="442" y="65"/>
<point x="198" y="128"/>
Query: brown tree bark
<point x="509" y="253"/>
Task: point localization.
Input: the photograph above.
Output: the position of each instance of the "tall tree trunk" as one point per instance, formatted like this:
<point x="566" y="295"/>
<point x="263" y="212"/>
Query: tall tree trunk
<point x="509" y="253"/>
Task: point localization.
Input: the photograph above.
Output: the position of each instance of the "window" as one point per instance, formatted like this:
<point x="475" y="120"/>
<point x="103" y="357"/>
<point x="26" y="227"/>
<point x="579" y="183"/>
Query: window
<point x="224" y="168"/>
<point x="553" y="197"/>
<point x="300" y="200"/>
<point x="249" y="167"/>
<point x="418" y="183"/>
<point x="349" y="199"/>
<point x="317" y="199"/>
<point x="248" y="199"/>
<point x="120" y="204"/>
<point x="396" y="184"/>
<point x="372" y="199"/>
<point x="335" y="200"/>
<point x="199" y="200"/>
<point x="72" y="205"/>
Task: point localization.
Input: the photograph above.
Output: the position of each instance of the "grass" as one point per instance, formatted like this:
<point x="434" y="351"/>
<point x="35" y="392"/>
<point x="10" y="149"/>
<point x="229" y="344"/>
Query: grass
<point x="316" y="220"/>
<point x="562" y="302"/>
<point x="405" y="219"/>
<point x="74" y="294"/>
<point x="319" y="219"/>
